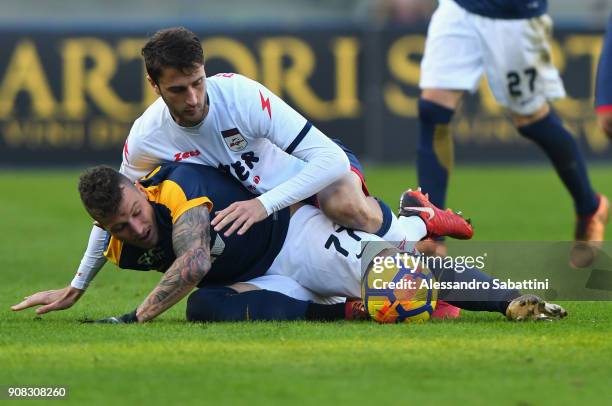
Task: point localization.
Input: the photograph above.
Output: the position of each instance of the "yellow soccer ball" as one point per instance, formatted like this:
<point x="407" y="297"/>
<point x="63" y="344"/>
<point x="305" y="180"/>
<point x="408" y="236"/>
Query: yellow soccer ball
<point x="399" y="294"/>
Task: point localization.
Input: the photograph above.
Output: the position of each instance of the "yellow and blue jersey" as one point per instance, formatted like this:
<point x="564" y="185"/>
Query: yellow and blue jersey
<point x="174" y="188"/>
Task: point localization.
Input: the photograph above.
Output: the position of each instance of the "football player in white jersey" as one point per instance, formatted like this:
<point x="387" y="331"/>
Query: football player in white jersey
<point x="509" y="41"/>
<point x="236" y="124"/>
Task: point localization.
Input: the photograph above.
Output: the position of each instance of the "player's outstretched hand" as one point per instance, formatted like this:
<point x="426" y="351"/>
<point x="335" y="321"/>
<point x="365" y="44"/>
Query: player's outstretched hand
<point x="51" y="300"/>
<point x="241" y="216"/>
<point x="125" y="319"/>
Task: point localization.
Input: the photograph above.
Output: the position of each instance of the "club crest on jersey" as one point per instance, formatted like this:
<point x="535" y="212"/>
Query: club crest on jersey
<point x="234" y="140"/>
<point x="151" y="257"/>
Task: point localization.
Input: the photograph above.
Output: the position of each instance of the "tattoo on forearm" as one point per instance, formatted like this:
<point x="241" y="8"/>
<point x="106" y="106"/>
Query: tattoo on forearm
<point x="191" y="242"/>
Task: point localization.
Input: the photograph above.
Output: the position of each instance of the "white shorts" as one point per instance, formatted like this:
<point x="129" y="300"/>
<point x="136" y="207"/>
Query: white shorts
<point x="514" y="54"/>
<point x="321" y="256"/>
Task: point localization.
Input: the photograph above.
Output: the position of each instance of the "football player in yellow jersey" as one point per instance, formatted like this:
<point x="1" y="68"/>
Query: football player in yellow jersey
<point x="163" y="223"/>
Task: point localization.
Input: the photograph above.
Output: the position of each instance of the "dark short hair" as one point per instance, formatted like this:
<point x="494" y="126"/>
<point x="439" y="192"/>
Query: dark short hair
<point x="101" y="190"/>
<point x="176" y="48"/>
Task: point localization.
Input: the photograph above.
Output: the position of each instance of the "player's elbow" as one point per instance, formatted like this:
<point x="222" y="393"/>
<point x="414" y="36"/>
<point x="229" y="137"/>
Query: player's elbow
<point x="339" y="166"/>
<point x="196" y="265"/>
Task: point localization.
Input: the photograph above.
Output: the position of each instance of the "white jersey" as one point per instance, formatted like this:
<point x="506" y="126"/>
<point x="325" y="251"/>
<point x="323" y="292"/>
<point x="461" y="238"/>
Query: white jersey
<point x="248" y="132"/>
<point x="514" y="54"/>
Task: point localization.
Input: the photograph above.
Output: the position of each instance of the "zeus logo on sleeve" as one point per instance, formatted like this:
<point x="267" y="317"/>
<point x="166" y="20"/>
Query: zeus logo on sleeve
<point x="179" y="156"/>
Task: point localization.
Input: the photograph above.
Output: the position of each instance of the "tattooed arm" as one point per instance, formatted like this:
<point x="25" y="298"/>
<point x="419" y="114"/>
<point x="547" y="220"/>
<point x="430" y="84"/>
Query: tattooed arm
<point x="191" y="243"/>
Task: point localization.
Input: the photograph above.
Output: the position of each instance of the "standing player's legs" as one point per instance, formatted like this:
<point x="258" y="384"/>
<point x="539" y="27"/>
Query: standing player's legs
<point x="523" y="78"/>
<point x="435" y="154"/>
<point x="603" y="89"/>
<point x="452" y="64"/>
<point x="547" y="131"/>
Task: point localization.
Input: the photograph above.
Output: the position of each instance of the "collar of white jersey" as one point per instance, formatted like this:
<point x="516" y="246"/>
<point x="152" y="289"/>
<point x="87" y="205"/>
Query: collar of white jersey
<point x="195" y="128"/>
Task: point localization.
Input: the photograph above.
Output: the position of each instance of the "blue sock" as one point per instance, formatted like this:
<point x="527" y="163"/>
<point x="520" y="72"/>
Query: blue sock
<point x="490" y="300"/>
<point x="225" y="304"/>
<point x="565" y="155"/>
<point x="435" y="151"/>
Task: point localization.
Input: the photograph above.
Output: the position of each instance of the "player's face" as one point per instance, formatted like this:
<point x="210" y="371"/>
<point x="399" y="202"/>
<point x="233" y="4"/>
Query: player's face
<point x="184" y="93"/>
<point x="134" y="222"/>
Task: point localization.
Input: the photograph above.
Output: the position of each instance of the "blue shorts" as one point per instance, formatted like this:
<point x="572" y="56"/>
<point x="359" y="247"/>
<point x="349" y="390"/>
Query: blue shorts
<point x="355" y="164"/>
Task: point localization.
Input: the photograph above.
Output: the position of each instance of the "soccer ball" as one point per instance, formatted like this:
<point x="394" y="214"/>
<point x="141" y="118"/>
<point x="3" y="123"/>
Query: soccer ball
<point x="399" y="294"/>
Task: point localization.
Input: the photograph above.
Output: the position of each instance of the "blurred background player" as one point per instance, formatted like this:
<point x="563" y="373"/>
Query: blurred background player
<point x="603" y="87"/>
<point x="507" y="41"/>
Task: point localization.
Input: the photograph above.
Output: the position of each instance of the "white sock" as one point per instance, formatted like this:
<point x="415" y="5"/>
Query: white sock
<point x="414" y="227"/>
<point x="405" y="230"/>
<point x="402" y="232"/>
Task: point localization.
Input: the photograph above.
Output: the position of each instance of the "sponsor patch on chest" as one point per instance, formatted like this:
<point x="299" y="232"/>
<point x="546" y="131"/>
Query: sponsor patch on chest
<point x="234" y="140"/>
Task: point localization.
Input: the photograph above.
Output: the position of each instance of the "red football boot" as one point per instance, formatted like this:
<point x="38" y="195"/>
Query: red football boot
<point x="445" y="311"/>
<point x="439" y="223"/>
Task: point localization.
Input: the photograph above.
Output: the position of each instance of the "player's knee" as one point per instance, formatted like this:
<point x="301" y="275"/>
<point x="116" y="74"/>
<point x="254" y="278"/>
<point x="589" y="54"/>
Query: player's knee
<point x="196" y="307"/>
<point x="523" y="120"/>
<point x="345" y="203"/>
<point x="447" y="99"/>
<point x="605" y="122"/>
<point x="348" y="211"/>
<point x="203" y="304"/>
<point x="359" y="215"/>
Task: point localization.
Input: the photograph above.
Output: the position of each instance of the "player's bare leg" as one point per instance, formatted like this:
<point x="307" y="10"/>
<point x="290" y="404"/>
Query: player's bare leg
<point x="546" y="129"/>
<point x="521" y="120"/>
<point x="444" y="97"/>
<point x="345" y="203"/>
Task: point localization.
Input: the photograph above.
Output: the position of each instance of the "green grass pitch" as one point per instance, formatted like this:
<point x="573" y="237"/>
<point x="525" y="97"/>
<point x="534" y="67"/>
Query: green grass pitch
<point x="479" y="359"/>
